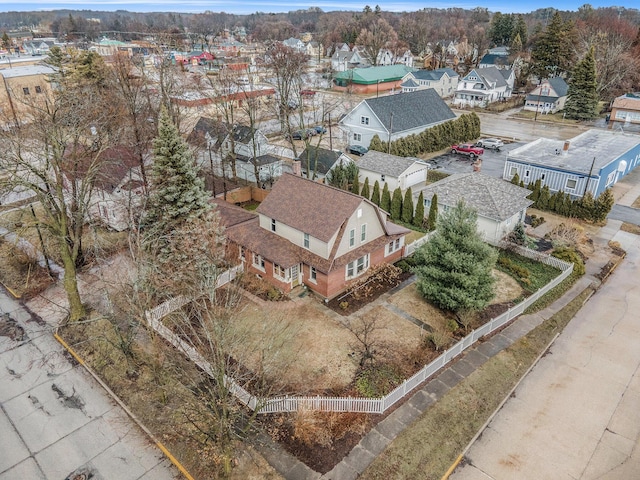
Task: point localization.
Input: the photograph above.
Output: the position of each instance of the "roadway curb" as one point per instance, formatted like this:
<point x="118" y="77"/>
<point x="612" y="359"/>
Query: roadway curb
<point x="131" y="415"/>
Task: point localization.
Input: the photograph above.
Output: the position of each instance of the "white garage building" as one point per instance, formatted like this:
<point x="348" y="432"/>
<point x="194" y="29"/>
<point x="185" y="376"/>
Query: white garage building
<point x="403" y="172"/>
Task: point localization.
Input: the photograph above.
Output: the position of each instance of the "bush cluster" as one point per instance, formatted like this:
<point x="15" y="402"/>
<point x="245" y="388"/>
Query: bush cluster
<point x="519" y="271"/>
<point x="571" y="255"/>
<point x="462" y="129"/>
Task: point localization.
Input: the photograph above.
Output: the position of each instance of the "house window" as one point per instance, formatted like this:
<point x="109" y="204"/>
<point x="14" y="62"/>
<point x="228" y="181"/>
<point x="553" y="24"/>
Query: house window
<point x="571" y="184"/>
<point x="273" y="224"/>
<point x="363" y="232"/>
<point x="610" y="178"/>
<point x="38" y="89"/>
<point x="352" y="237"/>
<point x="357" y="267"/>
<point x="306" y="241"/>
<point x="357" y="137"/>
<point x="359" y="213"/>
<point x="281" y="273"/>
<point x="526" y="173"/>
<point x="393" y="246"/>
<point x="242" y="253"/>
<point x="258" y="262"/>
<point x="542" y="176"/>
<point x="364" y="120"/>
<point x="513" y="171"/>
<point x="25" y="90"/>
<point x="313" y="275"/>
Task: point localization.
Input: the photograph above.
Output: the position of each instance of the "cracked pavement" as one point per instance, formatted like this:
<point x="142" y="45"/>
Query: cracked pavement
<point x="56" y="422"/>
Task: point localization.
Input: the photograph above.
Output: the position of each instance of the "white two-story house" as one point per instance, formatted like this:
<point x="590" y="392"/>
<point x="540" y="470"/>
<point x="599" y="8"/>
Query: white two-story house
<point x="482" y="86"/>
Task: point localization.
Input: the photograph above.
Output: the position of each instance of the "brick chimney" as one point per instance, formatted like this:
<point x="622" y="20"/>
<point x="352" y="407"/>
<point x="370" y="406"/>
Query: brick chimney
<point x="297" y="168"/>
<point x="565" y="147"/>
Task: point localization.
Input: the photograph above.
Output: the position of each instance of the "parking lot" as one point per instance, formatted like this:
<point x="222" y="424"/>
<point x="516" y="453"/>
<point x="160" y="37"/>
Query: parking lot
<point x="492" y="161"/>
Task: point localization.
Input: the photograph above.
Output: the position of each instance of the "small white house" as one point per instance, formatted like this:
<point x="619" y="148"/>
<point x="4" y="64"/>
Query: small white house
<point x="403" y="172"/>
<point x="500" y="204"/>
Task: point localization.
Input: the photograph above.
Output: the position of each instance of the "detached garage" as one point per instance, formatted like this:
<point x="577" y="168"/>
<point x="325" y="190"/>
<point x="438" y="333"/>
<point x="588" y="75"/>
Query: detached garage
<point x="403" y="172"/>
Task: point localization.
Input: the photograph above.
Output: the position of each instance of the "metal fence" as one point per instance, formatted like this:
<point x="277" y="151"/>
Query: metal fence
<point x="354" y="404"/>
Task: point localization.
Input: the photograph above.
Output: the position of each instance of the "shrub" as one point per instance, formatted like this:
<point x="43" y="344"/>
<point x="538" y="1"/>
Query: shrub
<point x="344" y="305"/>
<point x="570" y="255"/>
<point x="377" y="381"/>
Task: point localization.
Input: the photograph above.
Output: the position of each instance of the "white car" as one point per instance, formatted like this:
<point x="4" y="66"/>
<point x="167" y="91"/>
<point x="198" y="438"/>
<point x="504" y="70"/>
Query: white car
<point x="492" y="143"/>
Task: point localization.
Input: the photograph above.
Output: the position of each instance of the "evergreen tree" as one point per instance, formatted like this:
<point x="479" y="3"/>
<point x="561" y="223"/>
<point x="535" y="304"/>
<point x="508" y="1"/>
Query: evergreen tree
<point x="515" y="179"/>
<point x="535" y="194"/>
<point x="385" y="201"/>
<point x="375" y="196"/>
<point x="520" y="30"/>
<point x="396" y="204"/>
<point x="454" y="266"/>
<point x="178" y="194"/>
<point x="376" y="144"/>
<point x="407" y="207"/>
<point x="432" y="220"/>
<point x="582" y="97"/>
<point x="355" y="186"/>
<point x="543" y="199"/>
<point x="586" y="206"/>
<point x="603" y="206"/>
<point x="365" y="189"/>
<point x="553" y="53"/>
<point x="418" y="219"/>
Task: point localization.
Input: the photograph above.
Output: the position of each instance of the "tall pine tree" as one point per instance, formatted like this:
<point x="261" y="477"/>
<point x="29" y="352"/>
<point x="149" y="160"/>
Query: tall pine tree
<point x="407" y="207"/>
<point x="375" y="196"/>
<point x="365" y="189"/>
<point x="582" y="98"/>
<point x="433" y="213"/>
<point x="385" y="202"/>
<point x="396" y="204"/>
<point x="418" y="218"/>
<point x="177" y="193"/>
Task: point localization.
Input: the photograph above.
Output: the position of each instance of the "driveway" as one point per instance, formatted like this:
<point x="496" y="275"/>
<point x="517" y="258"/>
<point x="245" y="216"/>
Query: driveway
<point x="576" y="415"/>
<point x="56" y="422"/>
<point x="492" y="161"/>
<point x="625" y="214"/>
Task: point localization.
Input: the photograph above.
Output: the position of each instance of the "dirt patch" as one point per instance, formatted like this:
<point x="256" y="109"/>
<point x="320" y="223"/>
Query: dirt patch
<point x="20" y="273"/>
<point x="11" y="329"/>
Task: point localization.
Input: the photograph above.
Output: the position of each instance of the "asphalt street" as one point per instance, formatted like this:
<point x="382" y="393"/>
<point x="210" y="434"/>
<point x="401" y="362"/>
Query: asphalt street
<point x="575" y="416"/>
<point x="56" y="422"/>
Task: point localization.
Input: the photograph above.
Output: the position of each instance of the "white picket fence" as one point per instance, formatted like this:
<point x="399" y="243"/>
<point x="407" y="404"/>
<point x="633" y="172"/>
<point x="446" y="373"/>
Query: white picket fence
<point x="413" y="246"/>
<point x="354" y="404"/>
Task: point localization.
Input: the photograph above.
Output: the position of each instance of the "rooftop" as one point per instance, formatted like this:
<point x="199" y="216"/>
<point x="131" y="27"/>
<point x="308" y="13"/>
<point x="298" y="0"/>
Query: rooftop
<point x="603" y="145"/>
<point x="385" y="163"/>
<point x="491" y="197"/>
<point x="27" y="70"/>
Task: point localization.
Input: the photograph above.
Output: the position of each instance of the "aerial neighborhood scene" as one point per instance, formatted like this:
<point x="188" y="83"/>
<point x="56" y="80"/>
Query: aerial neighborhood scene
<point x="384" y="241"/>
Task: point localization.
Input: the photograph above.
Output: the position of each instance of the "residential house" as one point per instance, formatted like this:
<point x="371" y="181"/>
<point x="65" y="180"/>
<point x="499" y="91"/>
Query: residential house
<point x="406" y="59"/>
<point x="395" y="116"/>
<point x="343" y="60"/>
<point x="443" y="80"/>
<point x="396" y="172"/>
<point x="268" y="167"/>
<point x="37" y="47"/>
<point x="314" y="49"/>
<point x="247" y="141"/>
<point x="499" y="204"/>
<point x="308" y="233"/>
<point x="625" y="110"/>
<point x="548" y="97"/>
<point x="316" y="162"/>
<point x="21" y="88"/>
<point x="495" y="60"/>
<point x="590" y="162"/>
<point x="295" y="43"/>
<point x="118" y="186"/>
<point x="482" y="86"/>
<point x="372" y="79"/>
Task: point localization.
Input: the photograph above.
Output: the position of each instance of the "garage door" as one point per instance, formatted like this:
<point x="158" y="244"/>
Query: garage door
<point x="415" y="178"/>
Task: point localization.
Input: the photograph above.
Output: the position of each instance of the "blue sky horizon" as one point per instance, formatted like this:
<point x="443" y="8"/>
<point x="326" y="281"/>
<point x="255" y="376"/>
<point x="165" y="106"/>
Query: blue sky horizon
<point x="278" y="6"/>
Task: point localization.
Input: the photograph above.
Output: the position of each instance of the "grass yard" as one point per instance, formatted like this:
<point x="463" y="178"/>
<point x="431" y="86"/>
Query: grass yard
<point x="535" y="274"/>
<point x="430" y="446"/>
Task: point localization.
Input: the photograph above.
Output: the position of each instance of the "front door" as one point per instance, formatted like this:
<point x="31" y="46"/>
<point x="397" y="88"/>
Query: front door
<point x="295" y="277"/>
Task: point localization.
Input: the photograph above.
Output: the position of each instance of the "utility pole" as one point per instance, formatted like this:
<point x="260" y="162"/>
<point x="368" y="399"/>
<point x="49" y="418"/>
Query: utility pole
<point x="586" y="186"/>
<point x="390" y="130"/>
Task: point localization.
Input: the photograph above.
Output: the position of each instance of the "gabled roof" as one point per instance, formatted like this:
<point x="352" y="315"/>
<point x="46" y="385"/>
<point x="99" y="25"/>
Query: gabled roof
<point x="243" y="133"/>
<point x="409" y="84"/>
<point x="260" y="160"/>
<point x="385" y="163"/>
<point x="495" y="59"/>
<point x="308" y="206"/>
<point x="410" y="110"/>
<point x="491" y="197"/>
<point x="215" y="129"/>
<point x="372" y="75"/>
<point x="629" y="101"/>
<point x="489" y="75"/>
<point x="320" y="159"/>
<point x="434" y="74"/>
<point x="559" y="85"/>
<point x="230" y="214"/>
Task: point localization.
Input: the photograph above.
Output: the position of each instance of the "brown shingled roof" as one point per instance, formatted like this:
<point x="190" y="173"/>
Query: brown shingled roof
<point x="308" y="206"/>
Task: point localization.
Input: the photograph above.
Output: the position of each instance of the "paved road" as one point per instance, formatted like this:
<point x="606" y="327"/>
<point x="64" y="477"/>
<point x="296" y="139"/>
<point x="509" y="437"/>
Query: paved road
<point x="576" y="415"/>
<point x="526" y="130"/>
<point x="56" y="422"/>
<point x="626" y="214"/>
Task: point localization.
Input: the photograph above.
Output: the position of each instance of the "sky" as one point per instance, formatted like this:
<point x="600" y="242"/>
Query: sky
<point x="275" y="6"/>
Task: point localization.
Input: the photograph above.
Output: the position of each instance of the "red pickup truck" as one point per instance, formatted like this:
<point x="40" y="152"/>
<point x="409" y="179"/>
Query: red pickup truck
<point x="467" y="149"/>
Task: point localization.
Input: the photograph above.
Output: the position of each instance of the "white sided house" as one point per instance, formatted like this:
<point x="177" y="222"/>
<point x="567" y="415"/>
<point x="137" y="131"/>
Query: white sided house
<point x="395" y="116"/>
<point x="443" y="80"/>
<point x="500" y="204"/>
<point x="402" y="172"/>
<point x="482" y="86"/>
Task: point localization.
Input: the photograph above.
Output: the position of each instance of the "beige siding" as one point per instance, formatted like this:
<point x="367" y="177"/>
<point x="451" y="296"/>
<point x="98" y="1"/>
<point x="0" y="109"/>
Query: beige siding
<point x="296" y="236"/>
<point x="373" y="230"/>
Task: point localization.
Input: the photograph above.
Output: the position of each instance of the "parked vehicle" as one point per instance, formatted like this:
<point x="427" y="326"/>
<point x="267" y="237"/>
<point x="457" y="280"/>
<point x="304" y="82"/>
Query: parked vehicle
<point x="320" y="129"/>
<point x="298" y="135"/>
<point x="357" y="150"/>
<point x="467" y="149"/>
<point x="492" y="143"/>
